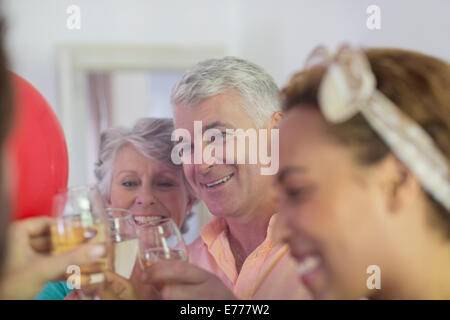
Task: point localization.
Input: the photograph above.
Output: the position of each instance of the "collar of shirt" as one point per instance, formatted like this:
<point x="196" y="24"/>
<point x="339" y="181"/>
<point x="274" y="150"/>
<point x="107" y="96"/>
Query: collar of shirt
<point x="256" y="265"/>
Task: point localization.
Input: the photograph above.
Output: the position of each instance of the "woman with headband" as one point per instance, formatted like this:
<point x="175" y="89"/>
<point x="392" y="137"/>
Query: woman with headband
<point x="364" y="174"/>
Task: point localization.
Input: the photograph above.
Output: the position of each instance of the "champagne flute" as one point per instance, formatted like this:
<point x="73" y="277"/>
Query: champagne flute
<point x="81" y="218"/>
<point x="160" y="240"/>
<point x="124" y="239"/>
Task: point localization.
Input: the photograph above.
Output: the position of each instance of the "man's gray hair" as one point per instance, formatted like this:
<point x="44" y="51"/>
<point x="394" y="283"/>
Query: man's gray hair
<point x="215" y="76"/>
<point x="150" y="136"/>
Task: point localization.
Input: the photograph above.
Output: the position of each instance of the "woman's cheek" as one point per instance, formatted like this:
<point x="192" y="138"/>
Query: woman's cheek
<point x="311" y="215"/>
<point x="121" y="199"/>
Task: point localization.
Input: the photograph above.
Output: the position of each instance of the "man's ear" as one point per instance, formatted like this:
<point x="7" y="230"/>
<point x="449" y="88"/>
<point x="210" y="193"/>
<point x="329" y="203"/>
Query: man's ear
<point x="275" y="120"/>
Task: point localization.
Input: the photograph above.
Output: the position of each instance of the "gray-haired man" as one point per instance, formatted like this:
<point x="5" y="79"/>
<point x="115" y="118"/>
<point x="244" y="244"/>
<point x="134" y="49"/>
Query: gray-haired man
<point x="237" y="246"/>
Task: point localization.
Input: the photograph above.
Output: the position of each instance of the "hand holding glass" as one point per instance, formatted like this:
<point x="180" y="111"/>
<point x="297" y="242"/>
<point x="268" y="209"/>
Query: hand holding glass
<point x="124" y="239"/>
<point x="81" y="218"/>
<point x="160" y="240"/>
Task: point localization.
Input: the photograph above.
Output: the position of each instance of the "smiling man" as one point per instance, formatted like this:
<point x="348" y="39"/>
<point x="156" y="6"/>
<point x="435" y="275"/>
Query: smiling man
<point x="237" y="245"/>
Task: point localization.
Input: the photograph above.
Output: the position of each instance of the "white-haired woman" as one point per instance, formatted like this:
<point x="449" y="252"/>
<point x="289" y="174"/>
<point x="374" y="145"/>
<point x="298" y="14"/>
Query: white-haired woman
<point x="135" y="172"/>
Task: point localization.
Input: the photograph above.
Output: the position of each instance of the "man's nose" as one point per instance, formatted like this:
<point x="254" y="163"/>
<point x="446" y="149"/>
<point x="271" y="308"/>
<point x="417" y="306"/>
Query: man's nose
<point x="208" y="160"/>
<point x="203" y="168"/>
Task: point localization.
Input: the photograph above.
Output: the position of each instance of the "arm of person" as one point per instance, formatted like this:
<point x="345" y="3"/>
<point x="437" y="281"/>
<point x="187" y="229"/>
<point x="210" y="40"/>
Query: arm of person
<point x="118" y="288"/>
<point x="183" y="281"/>
<point x="54" y="291"/>
<point x="29" y="265"/>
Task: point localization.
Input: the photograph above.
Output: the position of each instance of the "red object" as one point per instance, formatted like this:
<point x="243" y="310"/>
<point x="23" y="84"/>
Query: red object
<point x="38" y="153"/>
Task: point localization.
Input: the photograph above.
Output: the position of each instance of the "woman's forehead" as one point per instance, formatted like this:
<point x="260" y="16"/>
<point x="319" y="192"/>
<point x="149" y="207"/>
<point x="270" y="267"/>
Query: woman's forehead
<point x="305" y="141"/>
<point x="305" y="124"/>
<point x="128" y="158"/>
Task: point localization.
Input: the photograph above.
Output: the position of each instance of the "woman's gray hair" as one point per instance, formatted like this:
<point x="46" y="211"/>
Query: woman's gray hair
<point x="215" y="76"/>
<point x="150" y="136"/>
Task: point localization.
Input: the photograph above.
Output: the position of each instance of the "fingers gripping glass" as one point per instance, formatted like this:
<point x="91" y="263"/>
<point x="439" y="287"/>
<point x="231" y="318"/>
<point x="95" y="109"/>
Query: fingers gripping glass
<point x="124" y="239"/>
<point x="160" y="240"/>
<point x="81" y="218"/>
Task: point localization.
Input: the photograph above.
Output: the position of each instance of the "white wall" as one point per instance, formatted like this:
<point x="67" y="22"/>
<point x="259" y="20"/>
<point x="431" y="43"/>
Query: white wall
<point x="279" y="34"/>
<point x="37" y="26"/>
<point x="275" y="34"/>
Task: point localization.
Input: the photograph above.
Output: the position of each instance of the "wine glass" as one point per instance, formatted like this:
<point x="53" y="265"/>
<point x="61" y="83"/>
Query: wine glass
<point x="81" y="218"/>
<point x="160" y="240"/>
<point x="124" y="239"/>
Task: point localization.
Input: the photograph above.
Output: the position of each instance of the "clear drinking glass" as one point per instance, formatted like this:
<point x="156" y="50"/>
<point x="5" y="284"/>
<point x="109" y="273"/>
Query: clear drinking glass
<point x="124" y="239"/>
<point x="81" y="218"/>
<point x="160" y="240"/>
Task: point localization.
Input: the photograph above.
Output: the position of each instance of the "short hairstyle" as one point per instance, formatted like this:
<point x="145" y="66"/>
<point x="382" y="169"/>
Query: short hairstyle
<point x="150" y="136"/>
<point x="215" y="76"/>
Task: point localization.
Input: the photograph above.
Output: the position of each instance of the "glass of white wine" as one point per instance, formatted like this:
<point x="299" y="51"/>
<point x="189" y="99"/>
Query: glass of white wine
<point x="124" y="239"/>
<point x="81" y="218"/>
<point x="160" y="240"/>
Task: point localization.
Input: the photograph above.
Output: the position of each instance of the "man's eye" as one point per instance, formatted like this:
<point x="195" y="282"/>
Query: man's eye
<point x="185" y="150"/>
<point x="219" y="139"/>
<point x="188" y="147"/>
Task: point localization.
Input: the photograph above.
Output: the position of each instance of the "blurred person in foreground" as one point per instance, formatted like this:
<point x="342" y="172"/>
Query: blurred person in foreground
<point x="25" y="260"/>
<point x="364" y="174"/>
